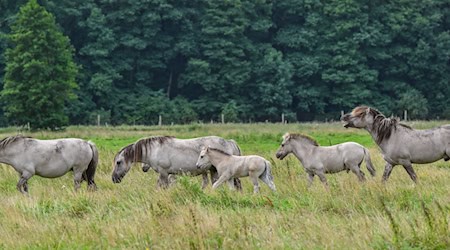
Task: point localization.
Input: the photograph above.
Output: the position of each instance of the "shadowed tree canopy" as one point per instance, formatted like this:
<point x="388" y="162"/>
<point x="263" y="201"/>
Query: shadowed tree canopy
<point x="248" y="60"/>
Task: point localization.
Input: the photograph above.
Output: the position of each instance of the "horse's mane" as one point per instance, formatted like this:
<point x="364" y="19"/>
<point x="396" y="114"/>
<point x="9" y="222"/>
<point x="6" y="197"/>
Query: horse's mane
<point x="10" y="139"/>
<point x="133" y="152"/>
<point x="220" y="151"/>
<point x="301" y="136"/>
<point x="382" y="125"/>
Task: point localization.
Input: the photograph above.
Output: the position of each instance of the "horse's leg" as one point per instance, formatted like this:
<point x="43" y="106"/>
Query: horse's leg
<point x="214" y="174"/>
<point x="163" y="180"/>
<point x="255" y="183"/>
<point x="90" y="181"/>
<point x="323" y="179"/>
<point x="171" y="179"/>
<point x="410" y="170"/>
<point x="357" y="171"/>
<point x="387" y="171"/>
<point x="224" y="177"/>
<point x="88" y="175"/>
<point x="77" y="178"/>
<point x="159" y="182"/>
<point x="25" y="187"/>
<point x="22" y="185"/>
<point x="237" y="184"/>
<point x="231" y="184"/>
<point x="310" y="179"/>
<point x="205" y="180"/>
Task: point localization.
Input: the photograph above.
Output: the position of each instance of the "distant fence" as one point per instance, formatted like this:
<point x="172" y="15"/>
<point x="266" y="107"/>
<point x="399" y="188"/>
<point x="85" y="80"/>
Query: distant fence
<point x="223" y="120"/>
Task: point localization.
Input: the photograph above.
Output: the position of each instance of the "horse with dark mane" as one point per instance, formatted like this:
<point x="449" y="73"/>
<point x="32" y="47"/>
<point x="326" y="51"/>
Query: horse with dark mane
<point x="399" y="143"/>
<point x="318" y="160"/>
<point x="50" y="159"/>
<point x="168" y="155"/>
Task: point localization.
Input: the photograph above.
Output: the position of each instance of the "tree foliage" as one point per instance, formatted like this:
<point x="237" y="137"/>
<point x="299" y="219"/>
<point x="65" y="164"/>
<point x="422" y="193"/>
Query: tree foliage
<point x="253" y="60"/>
<point x="40" y="72"/>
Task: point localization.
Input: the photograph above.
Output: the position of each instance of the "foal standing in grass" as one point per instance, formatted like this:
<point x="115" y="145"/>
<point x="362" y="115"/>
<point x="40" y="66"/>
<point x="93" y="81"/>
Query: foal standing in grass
<point x="232" y="166"/>
<point x="319" y="160"/>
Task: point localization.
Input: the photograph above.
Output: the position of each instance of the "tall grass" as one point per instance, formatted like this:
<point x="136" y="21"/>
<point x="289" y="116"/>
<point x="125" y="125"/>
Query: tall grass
<point x="135" y="214"/>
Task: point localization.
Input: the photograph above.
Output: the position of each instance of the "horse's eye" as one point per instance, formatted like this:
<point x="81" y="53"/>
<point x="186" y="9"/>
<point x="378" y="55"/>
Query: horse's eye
<point x="118" y="162"/>
<point x="201" y="156"/>
<point x="282" y="145"/>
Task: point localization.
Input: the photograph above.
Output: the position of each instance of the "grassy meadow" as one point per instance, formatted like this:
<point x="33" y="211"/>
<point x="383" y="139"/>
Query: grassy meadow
<point x="136" y="215"/>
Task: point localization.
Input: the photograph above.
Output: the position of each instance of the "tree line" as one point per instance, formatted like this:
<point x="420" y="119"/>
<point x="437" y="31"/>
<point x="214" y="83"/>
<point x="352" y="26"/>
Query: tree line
<point x="191" y="60"/>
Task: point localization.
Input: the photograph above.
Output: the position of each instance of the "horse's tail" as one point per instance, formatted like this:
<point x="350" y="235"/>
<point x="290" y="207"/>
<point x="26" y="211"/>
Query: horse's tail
<point x="267" y="175"/>
<point x="369" y="164"/>
<point x="89" y="174"/>
<point x="237" y="149"/>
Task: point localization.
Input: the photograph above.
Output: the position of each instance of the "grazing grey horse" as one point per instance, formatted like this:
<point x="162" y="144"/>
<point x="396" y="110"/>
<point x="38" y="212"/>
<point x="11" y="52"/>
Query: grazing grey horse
<point x="168" y="155"/>
<point x="232" y="166"/>
<point x="319" y="160"/>
<point x="399" y="143"/>
<point x="50" y="159"/>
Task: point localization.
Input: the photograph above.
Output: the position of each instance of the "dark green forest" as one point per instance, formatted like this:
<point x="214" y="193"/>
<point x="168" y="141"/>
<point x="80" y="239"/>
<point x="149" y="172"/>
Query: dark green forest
<point x="193" y="60"/>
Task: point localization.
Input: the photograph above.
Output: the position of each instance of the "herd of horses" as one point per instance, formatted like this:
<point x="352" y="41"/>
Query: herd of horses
<point x="169" y="156"/>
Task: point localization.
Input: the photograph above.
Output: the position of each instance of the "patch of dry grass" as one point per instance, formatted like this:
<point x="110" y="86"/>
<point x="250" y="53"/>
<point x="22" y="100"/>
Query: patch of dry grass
<point x="135" y="214"/>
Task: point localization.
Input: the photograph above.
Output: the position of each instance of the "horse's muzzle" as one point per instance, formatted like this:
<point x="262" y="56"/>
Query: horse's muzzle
<point x="116" y="178"/>
<point x="280" y="155"/>
<point x="348" y="124"/>
<point x="346" y="119"/>
<point x="145" y="168"/>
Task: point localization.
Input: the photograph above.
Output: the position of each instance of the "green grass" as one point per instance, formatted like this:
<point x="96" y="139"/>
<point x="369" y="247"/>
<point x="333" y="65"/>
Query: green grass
<point x="136" y="215"/>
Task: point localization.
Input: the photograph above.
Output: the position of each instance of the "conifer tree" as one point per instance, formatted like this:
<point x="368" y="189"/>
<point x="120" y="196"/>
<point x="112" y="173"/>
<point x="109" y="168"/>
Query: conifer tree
<point x="40" y="72"/>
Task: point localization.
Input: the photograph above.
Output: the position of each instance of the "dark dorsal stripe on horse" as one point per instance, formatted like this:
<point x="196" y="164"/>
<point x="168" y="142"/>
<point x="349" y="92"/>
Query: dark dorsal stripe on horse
<point x="219" y="150"/>
<point x="304" y="137"/>
<point x="133" y="152"/>
<point x="382" y="125"/>
<point x="10" y="139"/>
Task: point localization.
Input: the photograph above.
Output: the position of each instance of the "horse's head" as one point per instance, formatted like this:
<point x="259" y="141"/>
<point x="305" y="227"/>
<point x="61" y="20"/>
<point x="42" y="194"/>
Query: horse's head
<point x="360" y="117"/>
<point x="122" y="163"/>
<point x="203" y="159"/>
<point x="285" y="147"/>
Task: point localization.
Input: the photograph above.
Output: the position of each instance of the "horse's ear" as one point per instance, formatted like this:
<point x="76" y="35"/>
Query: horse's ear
<point x="368" y="110"/>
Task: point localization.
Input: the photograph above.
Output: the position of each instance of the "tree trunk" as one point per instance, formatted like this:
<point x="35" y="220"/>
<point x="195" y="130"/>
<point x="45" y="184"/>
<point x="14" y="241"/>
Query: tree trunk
<point x="169" y="85"/>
